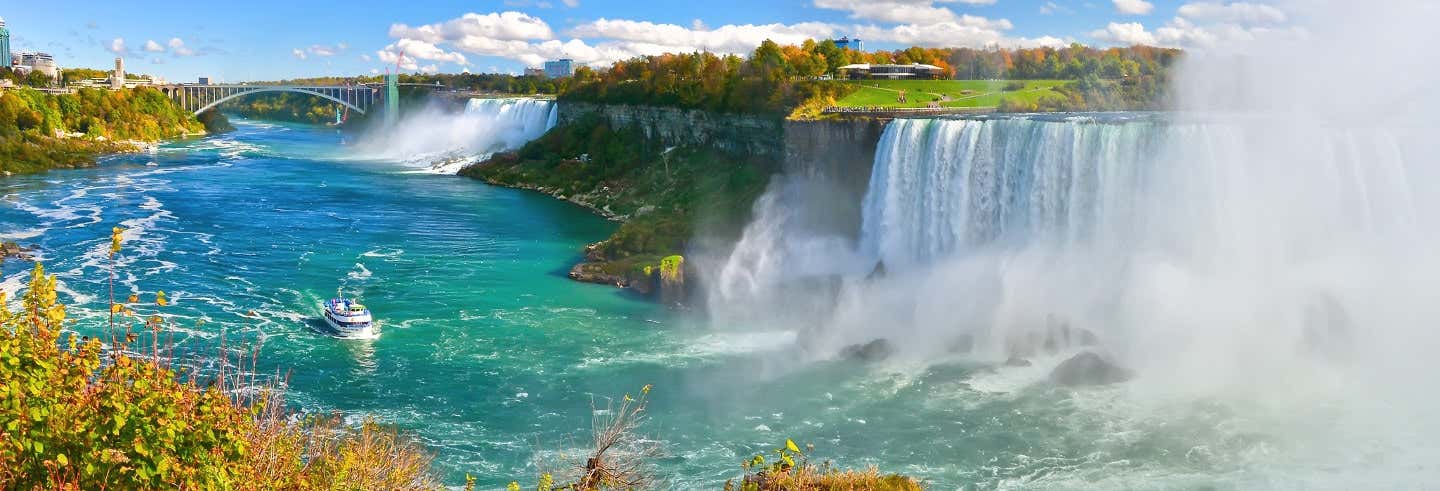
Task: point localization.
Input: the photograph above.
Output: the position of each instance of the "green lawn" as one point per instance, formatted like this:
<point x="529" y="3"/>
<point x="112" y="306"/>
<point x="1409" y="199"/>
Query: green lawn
<point x="963" y="93"/>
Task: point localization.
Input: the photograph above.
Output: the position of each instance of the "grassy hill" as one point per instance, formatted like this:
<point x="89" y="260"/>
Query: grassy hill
<point x="961" y="93"/>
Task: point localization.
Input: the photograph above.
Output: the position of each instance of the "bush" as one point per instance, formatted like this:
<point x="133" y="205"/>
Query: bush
<point x="1014" y="85"/>
<point x="78" y="414"/>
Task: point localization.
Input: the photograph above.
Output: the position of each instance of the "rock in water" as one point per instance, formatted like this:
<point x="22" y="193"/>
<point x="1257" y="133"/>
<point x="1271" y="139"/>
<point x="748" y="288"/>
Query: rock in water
<point x="1088" y="368"/>
<point x="876" y="350"/>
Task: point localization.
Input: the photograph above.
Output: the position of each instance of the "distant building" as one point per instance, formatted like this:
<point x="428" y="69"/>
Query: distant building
<point x="117" y="78"/>
<point x="847" y="43"/>
<point x="5" y="60"/>
<point x="38" y="62"/>
<point x="560" y="68"/>
<point x="535" y="72"/>
<point x="893" y="72"/>
<point x="203" y="81"/>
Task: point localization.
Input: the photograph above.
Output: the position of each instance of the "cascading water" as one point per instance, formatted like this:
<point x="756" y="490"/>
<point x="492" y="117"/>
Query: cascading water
<point x="444" y="142"/>
<point x="1269" y="252"/>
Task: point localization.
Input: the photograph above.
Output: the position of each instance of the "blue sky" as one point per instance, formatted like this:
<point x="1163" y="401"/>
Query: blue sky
<point x="269" y="39"/>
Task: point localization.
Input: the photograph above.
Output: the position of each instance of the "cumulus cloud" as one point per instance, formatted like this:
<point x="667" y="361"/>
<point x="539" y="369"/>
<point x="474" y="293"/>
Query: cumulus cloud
<point x="725" y="39"/>
<point x="1134" y="7"/>
<point x="408" y="52"/>
<point x="502" y="26"/>
<point x="299" y="54"/>
<point x="898" y="11"/>
<point x="1127" y="33"/>
<point x="117" y="46"/>
<point x="530" y="40"/>
<point x="1205" y="25"/>
<point x="177" y="46"/>
<point x="153" y="47"/>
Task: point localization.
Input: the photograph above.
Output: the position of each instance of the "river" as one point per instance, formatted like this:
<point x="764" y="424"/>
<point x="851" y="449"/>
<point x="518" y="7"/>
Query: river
<point x="493" y="358"/>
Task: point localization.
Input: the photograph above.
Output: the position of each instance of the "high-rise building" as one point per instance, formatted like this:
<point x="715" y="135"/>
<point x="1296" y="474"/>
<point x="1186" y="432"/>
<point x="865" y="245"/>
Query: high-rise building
<point x="560" y="68"/>
<point x="847" y="43"/>
<point x="4" y="45"/>
<point x="117" y="79"/>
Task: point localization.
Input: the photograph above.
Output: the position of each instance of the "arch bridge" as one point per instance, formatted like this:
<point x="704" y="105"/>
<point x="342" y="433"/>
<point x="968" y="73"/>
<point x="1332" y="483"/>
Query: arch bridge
<point x="201" y="98"/>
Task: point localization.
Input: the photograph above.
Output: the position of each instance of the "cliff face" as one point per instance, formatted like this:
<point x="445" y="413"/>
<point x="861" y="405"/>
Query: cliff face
<point x="835" y="158"/>
<point x="755" y="136"/>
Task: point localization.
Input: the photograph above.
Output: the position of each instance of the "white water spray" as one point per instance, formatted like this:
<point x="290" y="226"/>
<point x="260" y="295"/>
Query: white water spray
<point x="444" y="142"/>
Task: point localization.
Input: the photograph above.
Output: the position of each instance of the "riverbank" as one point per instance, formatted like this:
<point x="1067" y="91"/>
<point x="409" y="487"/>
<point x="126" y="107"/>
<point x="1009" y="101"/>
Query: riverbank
<point x="40" y="131"/>
<point x="668" y="198"/>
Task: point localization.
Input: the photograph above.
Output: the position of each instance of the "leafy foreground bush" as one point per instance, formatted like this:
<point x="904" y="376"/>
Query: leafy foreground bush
<point x="78" y="414"/>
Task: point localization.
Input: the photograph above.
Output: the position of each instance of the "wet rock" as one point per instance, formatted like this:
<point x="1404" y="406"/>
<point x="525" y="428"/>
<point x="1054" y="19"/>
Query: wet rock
<point x="1089" y="368"/>
<point x="873" y="351"/>
<point x="1017" y="362"/>
<point x="595" y="273"/>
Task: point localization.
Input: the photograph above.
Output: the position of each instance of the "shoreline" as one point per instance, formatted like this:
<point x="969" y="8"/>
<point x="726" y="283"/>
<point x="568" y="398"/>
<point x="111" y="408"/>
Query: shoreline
<point x="591" y="269"/>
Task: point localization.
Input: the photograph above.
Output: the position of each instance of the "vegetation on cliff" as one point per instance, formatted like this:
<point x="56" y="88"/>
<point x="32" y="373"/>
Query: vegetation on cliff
<point x="664" y="195"/>
<point x="41" y="131"/>
<point x="769" y="81"/>
<point x="802" y="80"/>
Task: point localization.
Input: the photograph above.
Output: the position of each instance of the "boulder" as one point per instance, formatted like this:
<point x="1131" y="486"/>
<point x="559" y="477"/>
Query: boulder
<point x="873" y="351"/>
<point x="1089" y="368"/>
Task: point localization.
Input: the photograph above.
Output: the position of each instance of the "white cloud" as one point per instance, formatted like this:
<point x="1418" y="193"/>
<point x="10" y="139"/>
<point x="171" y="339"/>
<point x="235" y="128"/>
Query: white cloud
<point x="153" y="47"/>
<point x="504" y="26"/>
<point x="408" y="51"/>
<point x="1238" y="12"/>
<point x="1128" y="33"/>
<point x="431" y="68"/>
<point x="117" y="46"/>
<point x="364" y="57"/>
<point x="1134" y="7"/>
<point x="571" y="3"/>
<point x="1183" y="33"/>
<point x="299" y="54"/>
<point x="531" y="40"/>
<point x="177" y="46"/>
<point x="724" y="39"/>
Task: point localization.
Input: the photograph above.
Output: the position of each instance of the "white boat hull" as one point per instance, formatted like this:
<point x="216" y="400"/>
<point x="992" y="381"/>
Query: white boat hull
<point x="350" y="330"/>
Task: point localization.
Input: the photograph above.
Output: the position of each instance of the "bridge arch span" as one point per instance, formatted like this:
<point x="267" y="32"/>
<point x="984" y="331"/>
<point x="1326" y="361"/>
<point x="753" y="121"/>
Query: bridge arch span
<point x="256" y="89"/>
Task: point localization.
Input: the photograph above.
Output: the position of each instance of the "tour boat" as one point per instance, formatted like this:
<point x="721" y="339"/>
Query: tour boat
<point x="349" y="318"/>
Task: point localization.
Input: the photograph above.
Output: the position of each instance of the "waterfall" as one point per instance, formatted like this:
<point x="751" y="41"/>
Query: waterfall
<point x="444" y="141"/>
<point x="1177" y="241"/>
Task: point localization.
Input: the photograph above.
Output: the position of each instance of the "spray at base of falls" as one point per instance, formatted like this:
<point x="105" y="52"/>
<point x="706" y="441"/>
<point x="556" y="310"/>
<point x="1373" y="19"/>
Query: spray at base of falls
<point x="444" y="142"/>
<point x="994" y="232"/>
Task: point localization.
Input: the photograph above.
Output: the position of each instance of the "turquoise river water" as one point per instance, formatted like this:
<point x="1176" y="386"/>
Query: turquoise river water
<point x="493" y="357"/>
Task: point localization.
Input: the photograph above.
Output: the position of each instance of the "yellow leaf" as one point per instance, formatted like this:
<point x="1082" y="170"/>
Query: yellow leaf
<point x="62" y="460"/>
<point x="134" y="298"/>
<point x="116" y="308"/>
<point x="790" y="444"/>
